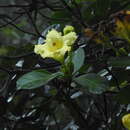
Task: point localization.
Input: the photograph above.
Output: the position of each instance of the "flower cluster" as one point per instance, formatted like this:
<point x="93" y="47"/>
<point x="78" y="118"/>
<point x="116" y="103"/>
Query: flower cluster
<point x="56" y="44"/>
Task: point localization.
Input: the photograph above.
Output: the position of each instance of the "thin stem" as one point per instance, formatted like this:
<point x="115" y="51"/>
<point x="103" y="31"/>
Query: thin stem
<point x="105" y="107"/>
<point x="33" y="23"/>
<point x="13" y="20"/>
<point x="75" y="112"/>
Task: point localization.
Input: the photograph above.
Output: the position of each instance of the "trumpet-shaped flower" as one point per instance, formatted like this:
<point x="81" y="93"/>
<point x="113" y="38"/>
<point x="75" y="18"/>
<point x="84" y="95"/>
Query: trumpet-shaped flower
<point x="56" y="45"/>
<point x="126" y="121"/>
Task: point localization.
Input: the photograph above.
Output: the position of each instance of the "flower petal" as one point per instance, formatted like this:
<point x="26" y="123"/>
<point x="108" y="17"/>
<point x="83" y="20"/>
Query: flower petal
<point x="70" y="38"/>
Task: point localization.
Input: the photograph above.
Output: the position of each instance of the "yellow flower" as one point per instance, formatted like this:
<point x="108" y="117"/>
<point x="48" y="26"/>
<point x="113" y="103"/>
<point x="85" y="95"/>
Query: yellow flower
<point x="126" y="121"/>
<point x="70" y="38"/>
<point x="56" y="45"/>
<point x="54" y="40"/>
<point x="68" y="29"/>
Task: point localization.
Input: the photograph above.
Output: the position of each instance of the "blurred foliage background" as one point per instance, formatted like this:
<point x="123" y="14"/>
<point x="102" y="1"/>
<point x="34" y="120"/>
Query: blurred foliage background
<point x="103" y="28"/>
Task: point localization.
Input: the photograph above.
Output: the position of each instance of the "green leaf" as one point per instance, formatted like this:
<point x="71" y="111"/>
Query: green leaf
<point x="119" y="61"/>
<point x="78" y="59"/>
<point x="84" y="68"/>
<point x="102" y="7"/>
<point x="35" y="79"/>
<point x="120" y="74"/>
<point x="123" y="97"/>
<point x="93" y="83"/>
<point x="78" y="1"/>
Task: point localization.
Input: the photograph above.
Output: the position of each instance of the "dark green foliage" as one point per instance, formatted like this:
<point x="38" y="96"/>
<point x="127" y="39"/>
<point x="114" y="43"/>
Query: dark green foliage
<point x="89" y="91"/>
<point x="35" y="79"/>
<point x="78" y="59"/>
<point x="93" y="83"/>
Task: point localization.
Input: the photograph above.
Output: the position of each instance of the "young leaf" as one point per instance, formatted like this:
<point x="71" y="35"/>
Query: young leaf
<point x="93" y="83"/>
<point x="35" y="79"/>
<point x="78" y="59"/>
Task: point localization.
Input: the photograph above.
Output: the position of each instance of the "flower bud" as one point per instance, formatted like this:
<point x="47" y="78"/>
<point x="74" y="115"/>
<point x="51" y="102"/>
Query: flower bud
<point x="126" y="121"/>
<point x="68" y="29"/>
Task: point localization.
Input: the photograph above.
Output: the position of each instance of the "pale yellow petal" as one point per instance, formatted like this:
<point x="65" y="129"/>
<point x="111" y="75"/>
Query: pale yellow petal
<point x="54" y="40"/>
<point x="39" y="49"/>
<point x="56" y="45"/>
<point x="70" y="38"/>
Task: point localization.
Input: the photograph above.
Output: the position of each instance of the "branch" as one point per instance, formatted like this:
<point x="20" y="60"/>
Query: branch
<point x="4" y="70"/>
<point x="13" y="20"/>
<point x="121" y="7"/>
<point x="17" y="57"/>
<point x="59" y="19"/>
<point x="79" y="12"/>
<point x="73" y="13"/>
<point x="21" y="29"/>
<point x="12" y="6"/>
<point x="34" y="24"/>
<point x="51" y="7"/>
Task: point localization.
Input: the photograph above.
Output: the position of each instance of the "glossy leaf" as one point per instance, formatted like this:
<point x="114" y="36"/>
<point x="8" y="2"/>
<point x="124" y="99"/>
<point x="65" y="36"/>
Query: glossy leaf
<point x="93" y="83"/>
<point x="35" y="79"/>
<point x="78" y="59"/>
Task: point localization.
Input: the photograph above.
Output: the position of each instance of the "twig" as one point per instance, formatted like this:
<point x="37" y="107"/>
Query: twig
<point x="51" y="7"/>
<point x="75" y="111"/>
<point x="73" y="13"/>
<point x="79" y="12"/>
<point x="33" y="23"/>
<point x="20" y="29"/>
<point x="57" y="124"/>
<point x="59" y="19"/>
<point x="105" y="107"/>
<point x="4" y="69"/>
<point x="13" y="20"/>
